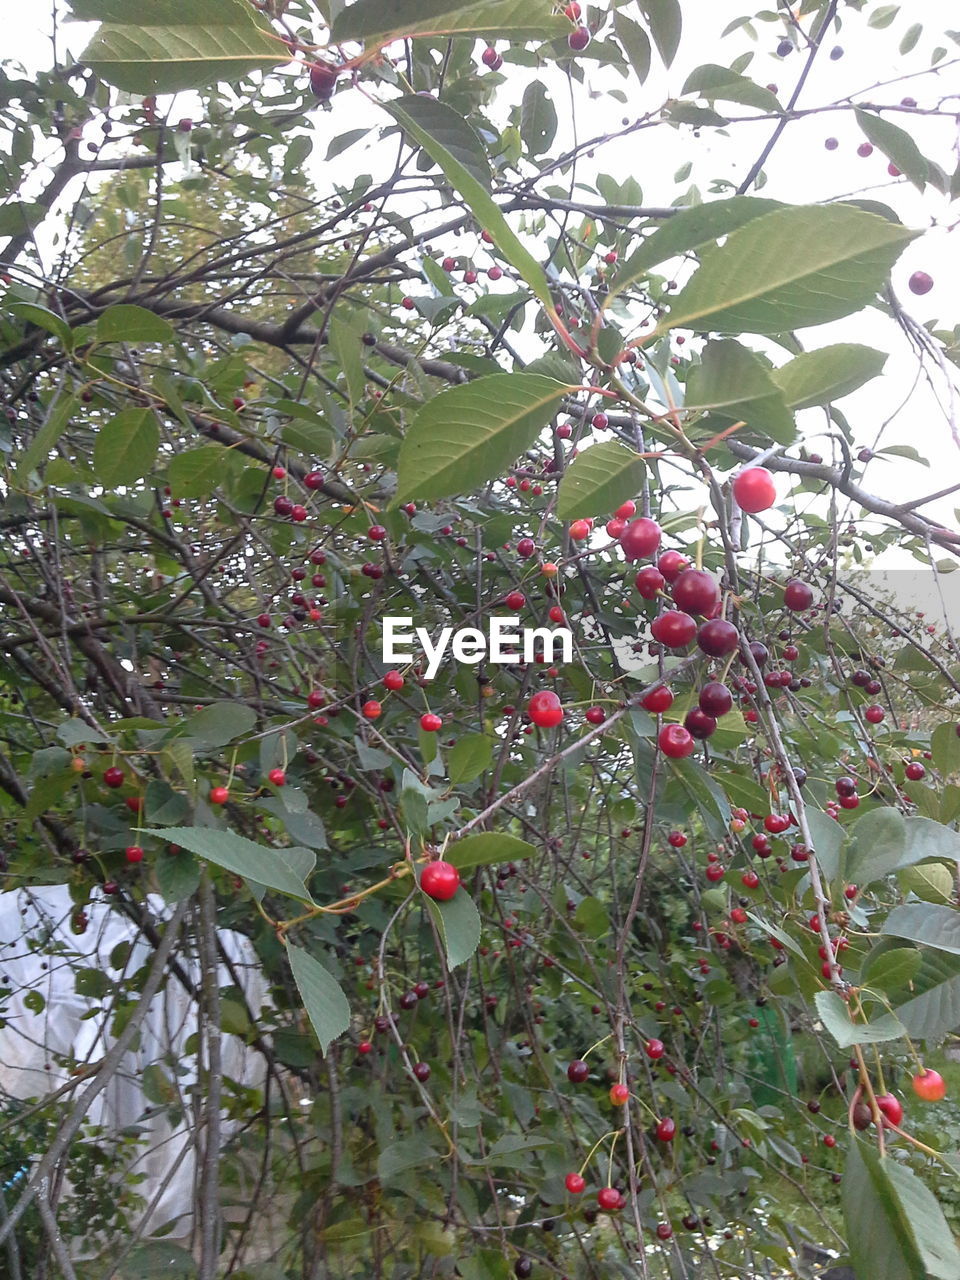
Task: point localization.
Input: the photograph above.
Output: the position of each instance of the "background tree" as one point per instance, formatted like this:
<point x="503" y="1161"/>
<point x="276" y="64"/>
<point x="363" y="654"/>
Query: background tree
<point x="627" y="965"/>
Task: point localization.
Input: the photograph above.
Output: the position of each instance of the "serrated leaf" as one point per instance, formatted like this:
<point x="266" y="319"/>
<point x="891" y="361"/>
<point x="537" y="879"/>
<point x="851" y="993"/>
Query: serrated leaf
<point x="789" y="269"/>
<point x="636" y="44"/>
<point x="487" y="849"/>
<point x="734" y="382"/>
<point x="468" y="757"/>
<point x="177" y="874"/>
<point x="712" y="81"/>
<point x="458" y="923"/>
<point x="828" y="374"/>
<point x="167" y="47"/>
<point x="219" y="723"/>
<point x="878" y="842"/>
<point x="444" y="135"/>
<point x="538" y="119"/>
<point x="345" y="343"/>
<point x="890" y="970"/>
<point x="835" y="1015"/>
<point x="41" y="316"/>
<point x="238" y="855"/>
<point x="470" y="434"/>
<point x="127" y="323"/>
<point x="925" y="922"/>
<point x="125" y="448"/>
<point x="195" y="473"/>
<point x="828" y="838"/>
<point x="880" y="1242"/>
<point x="896" y="144"/>
<point x="599" y="479"/>
<point x="375" y="22"/>
<point x="323" y="999"/>
<point x="945" y="748"/>
<point x="932" y="1010"/>
<point x="665" y="21"/>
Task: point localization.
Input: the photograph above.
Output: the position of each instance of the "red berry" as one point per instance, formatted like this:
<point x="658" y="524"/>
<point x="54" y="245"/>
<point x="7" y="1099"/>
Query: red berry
<point x="874" y="714"/>
<point x="664" y="1231"/>
<point x="218" y="795"/>
<point x="430" y="723"/>
<point x="515" y="600"/>
<point x="891" y="1107"/>
<point x="929" y="1085"/>
<point x="574" y="1183"/>
<point x="134" y="853"/>
<point x="545" y="709"/>
<point x="676" y="839"/>
<point x="313" y="479"/>
<point x="376" y="533"/>
<point x="421" y="1071"/>
<point x="578" y="39"/>
<point x="654" y="1049"/>
<point x="640" y="538"/>
<point x="675" y="741"/>
<point x="393" y="681"/>
<point x="577" y="1071"/>
<point x="674" y="629"/>
<point x="915" y="771"/>
<point x="619" y="1093"/>
<point x="277" y="777"/>
<point x="754" y="490"/>
<point x="627" y="510"/>
<point x="829" y="1140"/>
<point x="113" y="777"/>
<point x="666" y="1130"/>
<point x="608" y="1198"/>
<point x="579" y="530"/>
<point x="715" y="699"/>
<point x="671" y="564"/>
<point x="364" y="1047"/>
<point x="797" y="595"/>
<point x="696" y="591"/>
<point x="658" y="699"/>
<point x="649" y="581"/>
<point x="372" y="709"/>
<point x="595" y="715"/>
<point x="920" y="282"/>
<point x="440" y="880"/>
<point x="718" y="637"/>
<point x="526" y="548"/>
<point x="698" y="724"/>
<point x="323" y="80"/>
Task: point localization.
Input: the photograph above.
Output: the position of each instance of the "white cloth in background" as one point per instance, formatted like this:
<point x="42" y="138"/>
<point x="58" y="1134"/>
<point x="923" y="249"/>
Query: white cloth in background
<point x="40" y="952"/>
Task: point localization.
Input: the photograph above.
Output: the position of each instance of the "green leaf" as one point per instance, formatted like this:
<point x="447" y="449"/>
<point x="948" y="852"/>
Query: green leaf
<point x="345" y="343"/>
<point x="925" y="1219"/>
<point x="125" y="323"/>
<point x="890" y="970"/>
<point x="880" y="1241"/>
<point x="323" y="999"/>
<point x="18" y="218"/>
<point x="636" y="44"/>
<point x="195" y="473"/>
<point x="788" y="269"/>
<point x="932" y="1010"/>
<point x="238" y="855"/>
<point x="896" y="144"/>
<point x="878" y="842"/>
<point x="470" y="434"/>
<point x="665" y="21"/>
<point x="599" y="479"/>
<point x="735" y="383"/>
<point x="434" y="125"/>
<point x="835" y="1014"/>
<point x="819" y="377"/>
<point x="487" y="849"/>
<point x="125" y="448"/>
<point x="945" y="748"/>
<point x="178" y="875"/>
<point x="929" y="839"/>
<point x="468" y="757"/>
<point x="58" y="420"/>
<point x="591" y="917"/>
<point x="925" y="922"/>
<point x="163" y="805"/>
<point x="408" y="1153"/>
<point x="458" y="923"/>
<point x="712" y="81"/>
<point x="538" y="119"/>
<point x="828" y="841"/>
<point x="42" y="317"/>
<point x="375" y="22"/>
<point x="169" y="46"/>
<point x="688" y="231"/>
<point x="219" y="723"/>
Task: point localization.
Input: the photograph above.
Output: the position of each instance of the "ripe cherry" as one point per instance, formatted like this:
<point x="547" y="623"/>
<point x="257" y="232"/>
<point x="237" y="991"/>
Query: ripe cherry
<point x="430" y="723"/>
<point x="676" y="839"/>
<point x="920" y="282"/>
<point x="715" y="699"/>
<point x="649" y="581"/>
<point x="671" y="564"/>
<point x="666" y="1130"/>
<point x="640" y="538"/>
<point x="674" y="629"/>
<point x="929" y="1085"/>
<point x="323" y="80"/>
<point x="696" y="591"/>
<point x="421" y="1071"/>
<point x="277" y="777"/>
<point x="574" y="1183"/>
<point x="874" y="714"/>
<point x="619" y="1093"/>
<point x="134" y="853"/>
<point x="515" y="600"/>
<point x="595" y="715"/>
<point x="718" y="637"/>
<point x="915" y="771"/>
<point x="654" y="1049"/>
<point x="372" y="709"/>
<point x="658" y="699"/>
<point x="608" y="1198"/>
<point x="526" y="548"/>
<point x="699" y="724"/>
<point x="440" y="880"/>
<point x="393" y="681"/>
<point x="664" y="1231"/>
<point x="891" y="1107"/>
<point x="488" y="58"/>
<point x="750" y="880"/>
<point x="627" y="510"/>
<point x="113" y="777"/>
<point x="579" y="530"/>
<point x="578" y="39"/>
<point x="545" y="709"/>
<point x="754" y="490"/>
<point x="797" y="595"/>
<point x="577" y="1071"/>
<point x="675" y="741"/>
<point x="218" y="795"/>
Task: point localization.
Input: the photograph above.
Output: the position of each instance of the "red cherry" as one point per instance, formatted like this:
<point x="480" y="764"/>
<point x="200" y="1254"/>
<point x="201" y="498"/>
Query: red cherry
<point x="674" y="629"/>
<point x="715" y="872"/>
<point x="619" y="1093"/>
<point x="874" y="714"/>
<point x="658" y="700"/>
<point x="574" y="1183"/>
<point x="696" y="591"/>
<point x="134" y="853"/>
<point x="277" y="777"/>
<point x="699" y="724"/>
<point x="718" y="637"/>
<point x="776" y="822"/>
<point x="440" y="880"/>
<point x="376" y="533"/>
<point x="135" y="803"/>
<point x="666" y="1130"/>
<point x="615" y="527"/>
<point x="676" y="839"/>
<point x="515" y="600"/>
<point x="526" y="548"/>
<point x="664" y="1231"/>
<point x="750" y="880"/>
<point x="608" y="1198"/>
<point x="715" y="699"/>
<point x="754" y="490"/>
<point x="579" y="530"/>
<point x="829" y="1140"/>
<point x="488" y="58"/>
<point x="323" y="80"/>
<point x="675" y="741"/>
<point x="640" y="538"/>
<point x="920" y="282"/>
<point x="113" y="777"/>
<point x="372" y="709"/>
<point x="797" y="595"/>
<point x="671" y="564"/>
<point x="595" y="715"/>
<point x="364" y="1047"/>
<point x="421" y="1071"/>
<point x="578" y="39"/>
<point x="313" y="479"/>
<point x="649" y="581"/>
<point x="545" y="709"/>
<point x="393" y="681"/>
<point x="891" y="1107"/>
<point x="430" y="723"/>
<point x="218" y="795"/>
<point x="577" y="1071"/>
<point x="627" y="510"/>
<point x="929" y="1085"/>
<point x="915" y="771"/>
<point x="654" y="1049"/>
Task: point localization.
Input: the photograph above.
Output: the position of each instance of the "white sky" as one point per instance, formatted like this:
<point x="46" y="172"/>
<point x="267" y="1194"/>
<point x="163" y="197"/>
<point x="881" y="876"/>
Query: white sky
<point x="896" y="407"/>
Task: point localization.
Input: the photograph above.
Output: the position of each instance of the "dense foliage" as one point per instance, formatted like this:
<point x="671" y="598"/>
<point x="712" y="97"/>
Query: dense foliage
<point x="319" y="315"/>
